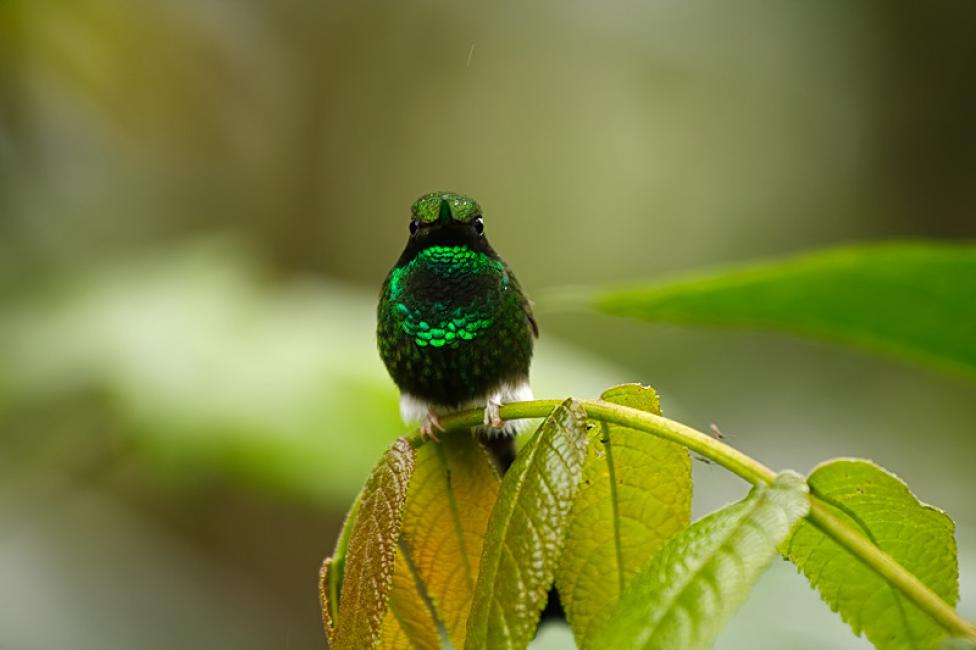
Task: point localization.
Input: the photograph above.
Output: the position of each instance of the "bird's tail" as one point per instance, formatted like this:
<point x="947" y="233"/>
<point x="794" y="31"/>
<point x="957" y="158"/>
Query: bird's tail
<point x="502" y="449"/>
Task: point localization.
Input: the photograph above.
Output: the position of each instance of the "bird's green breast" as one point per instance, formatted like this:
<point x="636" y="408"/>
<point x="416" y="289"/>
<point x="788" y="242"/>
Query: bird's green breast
<point x="446" y="295"/>
<point x="453" y="325"/>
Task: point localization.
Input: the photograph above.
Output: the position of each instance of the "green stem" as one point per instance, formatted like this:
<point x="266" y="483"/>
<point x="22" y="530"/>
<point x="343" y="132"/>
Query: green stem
<point x="888" y="568"/>
<point x="756" y="473"/>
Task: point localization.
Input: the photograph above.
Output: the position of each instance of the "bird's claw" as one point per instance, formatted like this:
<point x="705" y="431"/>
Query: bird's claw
<point x="427" y="426"/>
<point x="492" y="418"/>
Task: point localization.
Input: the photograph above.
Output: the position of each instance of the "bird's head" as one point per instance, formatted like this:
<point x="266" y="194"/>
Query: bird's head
<point x="446" y="219"/>
<point x="446" y="209"/>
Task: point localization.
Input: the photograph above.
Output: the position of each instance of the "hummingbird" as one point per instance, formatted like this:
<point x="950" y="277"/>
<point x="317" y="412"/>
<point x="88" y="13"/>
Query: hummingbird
<point x="454" y="328"/>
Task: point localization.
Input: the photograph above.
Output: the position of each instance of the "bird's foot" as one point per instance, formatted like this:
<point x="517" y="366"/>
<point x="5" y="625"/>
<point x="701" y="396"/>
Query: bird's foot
<point x="427" y="425"/>
<point x="492" y="419"/>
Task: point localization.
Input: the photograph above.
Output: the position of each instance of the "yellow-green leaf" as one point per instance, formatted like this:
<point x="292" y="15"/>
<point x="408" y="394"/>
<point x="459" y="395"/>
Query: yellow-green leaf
<point x="681" y="600"/>
<point x="920" y="537"/>
<point x="526" y="532"/>
<point x="635" y="495"/>
<point x="369" y="559"/>
<point x="408" y="624"/>
<point x="453" y="491"/>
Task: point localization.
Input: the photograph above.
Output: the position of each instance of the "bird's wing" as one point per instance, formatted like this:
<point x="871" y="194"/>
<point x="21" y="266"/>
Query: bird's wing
<point x="534" y="326"/>
<point x="526" y="303"/>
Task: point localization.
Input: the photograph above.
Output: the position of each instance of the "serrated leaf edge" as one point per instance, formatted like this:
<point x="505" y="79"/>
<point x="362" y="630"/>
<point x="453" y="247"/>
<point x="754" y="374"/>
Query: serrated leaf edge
<point x="532" y="448"/>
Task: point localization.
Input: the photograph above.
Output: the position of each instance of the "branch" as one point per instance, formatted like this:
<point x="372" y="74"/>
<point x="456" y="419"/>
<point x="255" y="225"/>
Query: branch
<point x="755" y="473"/>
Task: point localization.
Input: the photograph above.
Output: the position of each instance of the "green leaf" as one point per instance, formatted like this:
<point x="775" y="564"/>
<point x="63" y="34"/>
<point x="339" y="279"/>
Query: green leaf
<point x="372" y="546"/>
<point x="451" y="497"/>
<point x="526" y="532"/>
<point x="409" y="623"/>
<point x="635" y="495"/>
<point x="915" y="300"/>
<point x="691" y="588"/>
<point x="920" y="537"/>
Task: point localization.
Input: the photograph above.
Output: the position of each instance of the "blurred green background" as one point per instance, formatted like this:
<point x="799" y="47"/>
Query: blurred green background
<point x="200" y="198"/>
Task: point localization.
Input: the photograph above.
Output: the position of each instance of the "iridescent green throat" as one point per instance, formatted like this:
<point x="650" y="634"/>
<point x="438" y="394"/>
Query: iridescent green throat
<point x="434" y="318"/>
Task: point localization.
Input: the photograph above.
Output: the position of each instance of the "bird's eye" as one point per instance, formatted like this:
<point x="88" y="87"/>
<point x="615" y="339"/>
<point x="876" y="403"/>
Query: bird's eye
<point x="413" y="226"/>
<point x="479" y="225"/>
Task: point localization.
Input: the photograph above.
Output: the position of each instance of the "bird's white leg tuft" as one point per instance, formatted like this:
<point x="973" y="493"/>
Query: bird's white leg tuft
<point x="520" y="392"/>
<point x="504" y="394"/>
<point x="413" y="409"/>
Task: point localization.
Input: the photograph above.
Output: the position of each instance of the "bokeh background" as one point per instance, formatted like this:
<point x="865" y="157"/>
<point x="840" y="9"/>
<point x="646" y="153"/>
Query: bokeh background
<point x="200" y="198"/>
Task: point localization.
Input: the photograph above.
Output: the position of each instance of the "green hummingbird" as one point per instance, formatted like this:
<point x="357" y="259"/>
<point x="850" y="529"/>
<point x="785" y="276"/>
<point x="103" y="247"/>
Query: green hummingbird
<point x="454" y="328"/>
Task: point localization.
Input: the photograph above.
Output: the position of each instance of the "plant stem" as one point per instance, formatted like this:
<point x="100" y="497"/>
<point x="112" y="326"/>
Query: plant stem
<point x="756" y="473"/>
<point x="888" y="568"/>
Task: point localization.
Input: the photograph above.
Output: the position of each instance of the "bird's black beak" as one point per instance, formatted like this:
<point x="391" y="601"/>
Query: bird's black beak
<point x="444" y="214"/>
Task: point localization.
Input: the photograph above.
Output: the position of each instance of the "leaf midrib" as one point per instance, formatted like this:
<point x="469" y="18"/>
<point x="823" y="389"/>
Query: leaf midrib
<point x="744" y="523"/>
<point x="491" y="575"/>
<point x="531" y="453"/>
<point x="615" y="509"/>
<point x="456" y="518"/>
